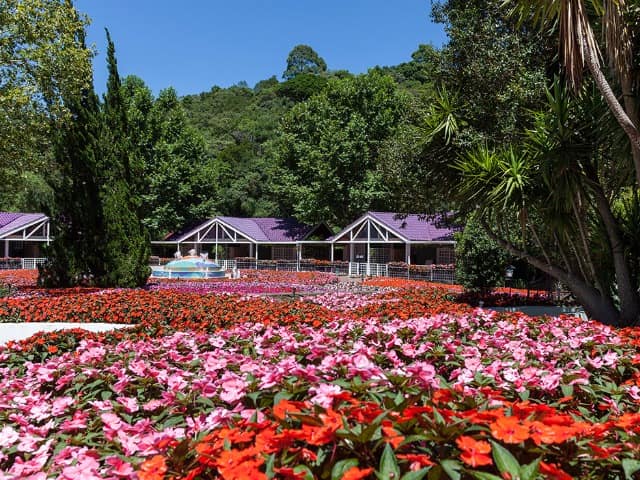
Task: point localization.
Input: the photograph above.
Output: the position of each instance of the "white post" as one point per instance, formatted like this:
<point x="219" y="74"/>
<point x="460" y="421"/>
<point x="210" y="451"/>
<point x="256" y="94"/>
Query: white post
<point x="331" y="247"/>
<point x="251" y="250"/>
<point x="216" y="247"/>
<point x="6" y="248"/>
<point x="48" y="234"/>
<point x="368" y="248"/>
<point x="407" y="253"/>
<point x="299" y="256"/>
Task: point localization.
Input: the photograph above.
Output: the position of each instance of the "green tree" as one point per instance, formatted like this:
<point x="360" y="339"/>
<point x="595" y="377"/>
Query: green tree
<point x="562" y="186"/>
<point x="330" y="146"/>
<point x="180" y="182"/>
<point x="618" y="20"/>
<point x="480" y="261"/>
<point x="44" y="64"/>
<point x="75" y="255"/>
<point x="303" y="59"/>
<point x="126" y="241"/>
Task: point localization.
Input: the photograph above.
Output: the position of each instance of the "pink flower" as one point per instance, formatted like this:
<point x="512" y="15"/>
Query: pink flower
<point x="233" y="388"/>
<point x="119" y="467"/>
<point x="8" y="436"/>
<point x="130" y="404"/>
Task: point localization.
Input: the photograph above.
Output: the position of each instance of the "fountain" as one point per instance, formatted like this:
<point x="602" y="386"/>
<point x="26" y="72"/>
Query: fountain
<point x="192" y="267"/>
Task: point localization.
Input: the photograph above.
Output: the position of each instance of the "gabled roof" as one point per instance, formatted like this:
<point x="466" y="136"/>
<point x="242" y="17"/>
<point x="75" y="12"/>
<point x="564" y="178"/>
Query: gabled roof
<point x="11" y="223"/>
<point x="417" y="228"/>
<point x="410" y="228"/>
<point x="261" y="229"/>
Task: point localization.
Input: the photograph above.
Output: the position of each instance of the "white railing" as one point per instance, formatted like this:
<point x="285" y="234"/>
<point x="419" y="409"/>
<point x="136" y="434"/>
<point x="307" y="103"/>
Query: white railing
<point x="368" y="269"/>
<point x="227" y="264"/>
<point x="32" y="263"/>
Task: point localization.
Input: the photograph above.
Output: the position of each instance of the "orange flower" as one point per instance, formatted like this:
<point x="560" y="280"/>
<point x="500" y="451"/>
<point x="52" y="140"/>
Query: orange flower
<point x="391" y="435"/>
<point x="474" y="452"/>
<point x="553" y="472"/>
<point x="509" y="430"/>
<point x="284" y="407"/>
<point x="355" y="473"/>
<point x="153" y="469"/>
<point x="315" y="435"/>
<point x="417" y="461"/>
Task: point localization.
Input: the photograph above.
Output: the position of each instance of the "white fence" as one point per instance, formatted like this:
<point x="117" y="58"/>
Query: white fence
<point x="368" y="269"/>
<point x="32" y="263"/>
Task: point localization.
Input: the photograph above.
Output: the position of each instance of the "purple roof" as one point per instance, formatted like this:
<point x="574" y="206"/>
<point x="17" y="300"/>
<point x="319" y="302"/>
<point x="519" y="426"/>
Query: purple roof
<point x="10" y="222"/>
<point x="258" y="229"/>
<point x="413" y="227"/>
<point x="270" y="229"/>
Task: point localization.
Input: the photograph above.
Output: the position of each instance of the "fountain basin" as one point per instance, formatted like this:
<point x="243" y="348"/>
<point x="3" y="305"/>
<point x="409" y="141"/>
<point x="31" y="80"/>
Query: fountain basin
<point x="188" y="267"/>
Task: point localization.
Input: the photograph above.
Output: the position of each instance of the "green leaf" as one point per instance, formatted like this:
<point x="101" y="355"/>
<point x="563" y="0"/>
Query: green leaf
<point x="388" y="464"/>
<point x="308" y="474"/>
<point x="417" y="475"/>
<point x="484" y="475"/>
<point x="341" y="467"/>
<point x="452" y="467"/>
<point x="630" y="467"/>
<point x="530" y="471"/>
<point x="505" y="461"/>
<point x="567" y="390"/>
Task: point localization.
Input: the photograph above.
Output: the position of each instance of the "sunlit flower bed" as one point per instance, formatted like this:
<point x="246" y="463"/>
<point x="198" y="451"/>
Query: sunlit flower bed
<point x="388" y="382"/>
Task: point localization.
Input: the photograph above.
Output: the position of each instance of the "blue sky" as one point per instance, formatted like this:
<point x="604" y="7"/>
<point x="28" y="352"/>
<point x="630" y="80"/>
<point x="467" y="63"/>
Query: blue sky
<point x="195" y="44"/>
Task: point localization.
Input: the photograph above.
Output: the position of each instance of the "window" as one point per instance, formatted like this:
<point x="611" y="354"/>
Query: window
<point x="445" y="255"/>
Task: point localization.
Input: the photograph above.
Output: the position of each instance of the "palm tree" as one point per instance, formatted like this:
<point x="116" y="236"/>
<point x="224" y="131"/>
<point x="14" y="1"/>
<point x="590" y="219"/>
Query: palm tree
<point x="579" y="49"/>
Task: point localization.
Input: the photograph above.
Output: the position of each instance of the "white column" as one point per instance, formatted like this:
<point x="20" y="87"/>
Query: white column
<point x="251" y="250"/>
<point x="368" y="248"/>
<point x="48" y="233"/>
<point x="257" y="248"/>
<point x="331" y="247"/>
<point x="216" y="246"/>
<point x="6" y="248"/>
<point x="407" y="253"/>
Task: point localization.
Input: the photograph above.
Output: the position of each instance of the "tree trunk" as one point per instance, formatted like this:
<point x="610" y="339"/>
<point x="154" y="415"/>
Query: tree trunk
<point x="629" y="300"/>
<point x="597" y="306"/>
<point x="614" y="105"/>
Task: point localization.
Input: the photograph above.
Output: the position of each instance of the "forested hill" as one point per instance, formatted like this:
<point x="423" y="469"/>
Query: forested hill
<point x="242" y="127"/>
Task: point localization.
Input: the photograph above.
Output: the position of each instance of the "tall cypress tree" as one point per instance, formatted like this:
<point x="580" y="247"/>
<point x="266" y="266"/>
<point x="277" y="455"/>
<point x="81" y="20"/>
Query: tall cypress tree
<point x="75" y="255"/>
<point x="126" y="243"/>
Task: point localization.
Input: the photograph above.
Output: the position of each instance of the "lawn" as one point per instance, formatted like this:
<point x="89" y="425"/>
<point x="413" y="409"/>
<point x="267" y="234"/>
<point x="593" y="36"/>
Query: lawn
<point x="295" y="376"/>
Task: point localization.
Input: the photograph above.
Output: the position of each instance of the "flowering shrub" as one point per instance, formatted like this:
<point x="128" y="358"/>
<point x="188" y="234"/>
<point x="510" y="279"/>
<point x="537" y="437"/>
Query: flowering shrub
<point x="393" y="382"/>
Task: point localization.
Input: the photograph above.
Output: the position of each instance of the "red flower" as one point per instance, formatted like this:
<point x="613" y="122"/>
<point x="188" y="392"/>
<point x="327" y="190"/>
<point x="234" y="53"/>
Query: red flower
<point x="153" y="469"/>
<point x="553" y="472"/>
<point x="509" y="430"/>
<point x="355" y="473"/>
<point x="474" y="452"/>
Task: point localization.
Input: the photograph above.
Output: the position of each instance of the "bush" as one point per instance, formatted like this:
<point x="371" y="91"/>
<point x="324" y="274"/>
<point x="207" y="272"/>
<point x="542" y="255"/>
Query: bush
<point x="480" y="262"/>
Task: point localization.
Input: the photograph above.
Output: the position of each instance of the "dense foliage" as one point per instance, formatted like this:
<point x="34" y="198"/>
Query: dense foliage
<point x="43" y="62"/>
<point x="480" y="261"/>
<point x="99" y="238"/>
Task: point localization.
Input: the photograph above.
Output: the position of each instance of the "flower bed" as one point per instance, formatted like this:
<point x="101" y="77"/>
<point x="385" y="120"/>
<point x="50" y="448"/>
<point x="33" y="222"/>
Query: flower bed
<point x="391" y="383"/>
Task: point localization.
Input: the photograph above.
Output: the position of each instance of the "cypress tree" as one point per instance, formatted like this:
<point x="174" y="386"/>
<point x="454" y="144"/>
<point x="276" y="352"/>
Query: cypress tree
<point x="75" y="256"/>
<point x="126" y="243"/>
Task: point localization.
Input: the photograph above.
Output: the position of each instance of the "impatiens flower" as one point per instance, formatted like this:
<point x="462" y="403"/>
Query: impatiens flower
<point x="391" y="435"/>
<point x="153" y="469"/>
<point x="355" y="473"/>
<point x="475" y="453"/>
<point x="553" y="472"/>
<point x="8" y="436"/>
<point x="119" y="467"/>
<point x="509" y="430"/>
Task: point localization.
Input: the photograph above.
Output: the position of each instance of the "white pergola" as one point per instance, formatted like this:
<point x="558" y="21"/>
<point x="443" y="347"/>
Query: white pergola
<point x="26" y="228"/>
<point x="381" y="228"/>
<point x="231" y="231"/>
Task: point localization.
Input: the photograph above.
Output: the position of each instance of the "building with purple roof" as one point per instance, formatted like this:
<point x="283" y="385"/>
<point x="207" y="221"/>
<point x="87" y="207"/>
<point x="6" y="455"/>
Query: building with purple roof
<point x="264" y="238"/>
<point x="383" y="237"/>
<point x="23" y="234"/>
<point x="375" y="237"/>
